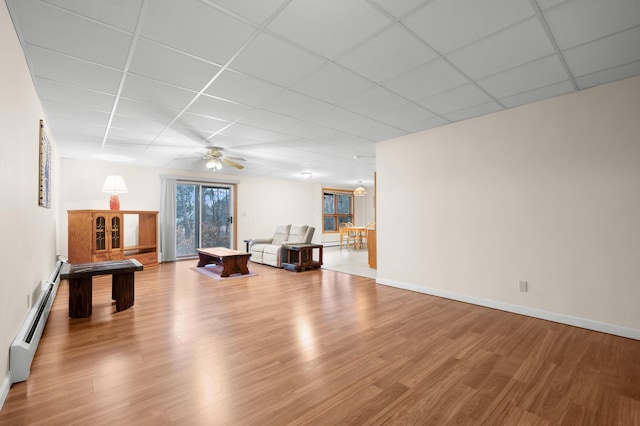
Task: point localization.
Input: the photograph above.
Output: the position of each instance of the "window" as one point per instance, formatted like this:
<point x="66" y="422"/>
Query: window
<point x="337" y="209"/>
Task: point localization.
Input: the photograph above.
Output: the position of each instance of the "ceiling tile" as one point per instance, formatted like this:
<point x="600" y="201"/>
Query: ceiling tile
<point x="201" y="123"/>
<point x="474" y="111"/>
<point x="171" y="66"/>
<point x="72" y="112"/>
<point x="370" y="129"/>
<point x="510" y="48"/>
<point x="67" y="69"/>
<point x="296" y="105"/>
<point x="182" y="137"/>
<point x="618" y="49"/>
<point x="145" y="111"/>
<point x="399" y="8"/>
<point x="609" y="75"/>
<point x="237" y="87"/>
<point x="67" y="127"/>
<point x="332" y="84"/>
<point x="434" y="77"/>
<point x="201" y="30"/>
<point x="577" y="22"/>
<point x="429" y="123"/>
<point x="455" y="99"/>
<point x="316" y="25"/>
<point x="282" y="124"/>
<point x="273" y="60"/>
<point x="373" y="101"/>
<point x="254" y="134"/>
<point x="58" y="92"/>
<point x="547" y="4"/>
<point x="52" y="28"/>
<point x="255" y="11"/>
<point x="404" y="115"/>
<point x="121" y="14"/>
<point x="539" y="73"/>
<point x="387" y="55"/>
<point x="155" y="92"/>
<point x="447" y="25"/>
<point x="537" y="94"/>
<point x="218" y="108"/>
<point x="142" y="131"/>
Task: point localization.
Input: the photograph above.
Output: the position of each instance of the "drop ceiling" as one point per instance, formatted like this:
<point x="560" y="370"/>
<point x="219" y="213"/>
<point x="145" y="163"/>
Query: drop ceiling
<point x="298" y="86"/>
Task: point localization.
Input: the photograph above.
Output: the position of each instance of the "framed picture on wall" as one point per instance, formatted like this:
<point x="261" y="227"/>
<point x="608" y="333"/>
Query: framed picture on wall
<point x="44" y="181"/>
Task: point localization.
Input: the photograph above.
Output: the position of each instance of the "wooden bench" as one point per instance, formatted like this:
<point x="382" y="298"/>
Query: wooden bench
<point x="80" y="276"/>
<point x="232" y="261"/>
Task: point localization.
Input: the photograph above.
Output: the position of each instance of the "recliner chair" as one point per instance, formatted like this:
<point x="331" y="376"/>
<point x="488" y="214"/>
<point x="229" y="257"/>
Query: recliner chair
<point x="270" y="251"/>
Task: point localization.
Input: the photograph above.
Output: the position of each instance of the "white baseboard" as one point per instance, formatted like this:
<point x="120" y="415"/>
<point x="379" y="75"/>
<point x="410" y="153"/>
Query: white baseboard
<point x="617" y="330"/>
<point x="4" y="389"/>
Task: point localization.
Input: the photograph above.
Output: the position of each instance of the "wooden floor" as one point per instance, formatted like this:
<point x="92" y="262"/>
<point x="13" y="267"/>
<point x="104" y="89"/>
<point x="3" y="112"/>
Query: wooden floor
<point x="317" y="347"/>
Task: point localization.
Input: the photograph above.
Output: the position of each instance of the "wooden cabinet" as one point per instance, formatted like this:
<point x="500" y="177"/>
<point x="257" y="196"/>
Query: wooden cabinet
<point x="372" y="248"/>
<point x="99" y="235"/>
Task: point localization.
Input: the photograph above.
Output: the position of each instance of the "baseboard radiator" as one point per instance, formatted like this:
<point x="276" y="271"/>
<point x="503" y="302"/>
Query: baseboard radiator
<point x="26" y="342"/>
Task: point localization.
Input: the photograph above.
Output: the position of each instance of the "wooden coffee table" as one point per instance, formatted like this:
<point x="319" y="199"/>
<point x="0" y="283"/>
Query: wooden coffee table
<point x="232" y="261"/>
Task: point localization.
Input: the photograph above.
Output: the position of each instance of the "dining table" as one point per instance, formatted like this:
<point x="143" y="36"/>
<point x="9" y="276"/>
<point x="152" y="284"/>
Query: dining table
<point x="358" y="233"/>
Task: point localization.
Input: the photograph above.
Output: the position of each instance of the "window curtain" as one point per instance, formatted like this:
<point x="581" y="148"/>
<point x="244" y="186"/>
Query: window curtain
<point x="168" y="218"/>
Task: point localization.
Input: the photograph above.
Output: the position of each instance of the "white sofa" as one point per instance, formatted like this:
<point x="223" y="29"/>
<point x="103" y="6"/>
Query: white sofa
<point x="270" y="251"/>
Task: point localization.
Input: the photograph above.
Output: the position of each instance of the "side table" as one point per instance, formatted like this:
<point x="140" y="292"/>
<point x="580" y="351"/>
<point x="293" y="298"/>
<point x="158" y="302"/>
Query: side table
<point x="300" y="257"/>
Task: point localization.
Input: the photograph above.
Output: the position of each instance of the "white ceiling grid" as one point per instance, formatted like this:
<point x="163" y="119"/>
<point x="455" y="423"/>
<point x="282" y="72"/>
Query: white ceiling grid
<point x="299" y="85"/>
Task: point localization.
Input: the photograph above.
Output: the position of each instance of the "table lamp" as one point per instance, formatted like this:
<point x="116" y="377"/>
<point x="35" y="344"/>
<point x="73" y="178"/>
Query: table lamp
<point x="115" y="185"/>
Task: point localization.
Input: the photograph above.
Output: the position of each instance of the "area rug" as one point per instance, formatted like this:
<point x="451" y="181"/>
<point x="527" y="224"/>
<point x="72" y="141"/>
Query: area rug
<point x="214" y="271"/>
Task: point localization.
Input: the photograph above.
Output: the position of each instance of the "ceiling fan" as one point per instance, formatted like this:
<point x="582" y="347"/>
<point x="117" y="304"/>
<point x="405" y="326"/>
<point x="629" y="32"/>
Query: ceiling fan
<point x="215" y="159"/>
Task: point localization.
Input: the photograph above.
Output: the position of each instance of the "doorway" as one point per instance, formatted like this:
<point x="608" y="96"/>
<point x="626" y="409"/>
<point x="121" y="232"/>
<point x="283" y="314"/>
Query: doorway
<point x="203" y="217"/>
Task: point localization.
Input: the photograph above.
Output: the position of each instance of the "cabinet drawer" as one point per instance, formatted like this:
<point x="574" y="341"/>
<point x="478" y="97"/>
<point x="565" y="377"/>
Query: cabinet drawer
<point x="145" y="258"/>
<point x="100" y="257"/>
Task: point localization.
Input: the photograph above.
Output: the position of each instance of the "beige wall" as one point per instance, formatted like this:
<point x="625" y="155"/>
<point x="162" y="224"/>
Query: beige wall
<point x="548" y="193"/>
<point x="27" y="252"/>
<point x="262" y="203"/>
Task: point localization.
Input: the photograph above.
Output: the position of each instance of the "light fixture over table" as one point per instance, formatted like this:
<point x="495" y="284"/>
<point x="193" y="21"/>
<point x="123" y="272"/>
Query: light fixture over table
<point x="115" y="185"/>
<point x="360" y="191"/>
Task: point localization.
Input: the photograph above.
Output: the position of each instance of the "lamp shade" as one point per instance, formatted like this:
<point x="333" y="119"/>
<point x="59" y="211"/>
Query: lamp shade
<point x="114" y="184"/>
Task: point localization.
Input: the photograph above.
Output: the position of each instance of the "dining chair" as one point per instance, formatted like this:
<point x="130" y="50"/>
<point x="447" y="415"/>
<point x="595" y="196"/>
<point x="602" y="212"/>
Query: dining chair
<point x="345" y="232"/>
<point x="363" y="236"/>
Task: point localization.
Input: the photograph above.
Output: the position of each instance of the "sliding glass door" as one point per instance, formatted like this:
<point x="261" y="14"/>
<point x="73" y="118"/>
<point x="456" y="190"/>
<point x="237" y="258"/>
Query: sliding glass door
<point x="203" y="217"/>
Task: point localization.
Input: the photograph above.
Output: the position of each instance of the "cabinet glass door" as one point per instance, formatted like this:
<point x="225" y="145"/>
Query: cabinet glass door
<point x="115" y="232"/>
<point x="100" y="233"/>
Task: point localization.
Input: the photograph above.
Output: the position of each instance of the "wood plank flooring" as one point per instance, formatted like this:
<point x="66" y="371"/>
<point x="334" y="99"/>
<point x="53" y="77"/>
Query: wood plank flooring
<point x="317" y="347"/>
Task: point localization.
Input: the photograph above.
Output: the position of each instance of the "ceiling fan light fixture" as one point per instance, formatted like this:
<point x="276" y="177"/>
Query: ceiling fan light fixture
<point x="211" y="163"/>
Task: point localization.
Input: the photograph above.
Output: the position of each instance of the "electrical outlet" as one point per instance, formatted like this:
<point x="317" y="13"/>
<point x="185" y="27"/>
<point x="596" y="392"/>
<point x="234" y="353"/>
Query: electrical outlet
<point x="28" y="301"/>
<point x="524" y="286"/>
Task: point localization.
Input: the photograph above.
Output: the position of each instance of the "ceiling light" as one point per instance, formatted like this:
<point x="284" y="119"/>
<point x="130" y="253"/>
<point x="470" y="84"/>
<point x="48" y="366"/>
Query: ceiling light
<point x="306" y="175"/>
<point x="360" y="191"/>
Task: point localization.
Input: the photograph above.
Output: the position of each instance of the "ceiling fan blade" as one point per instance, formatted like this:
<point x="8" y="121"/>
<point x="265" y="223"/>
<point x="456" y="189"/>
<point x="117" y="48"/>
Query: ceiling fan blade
<point x="232" y="163"/>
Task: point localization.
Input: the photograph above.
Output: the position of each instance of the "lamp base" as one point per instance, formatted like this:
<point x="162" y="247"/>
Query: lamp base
<point x="114" y="202"/>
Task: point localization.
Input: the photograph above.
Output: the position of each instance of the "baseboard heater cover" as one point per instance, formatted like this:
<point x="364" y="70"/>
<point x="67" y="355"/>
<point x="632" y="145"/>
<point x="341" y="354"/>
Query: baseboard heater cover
<point x="26" y="341"/>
